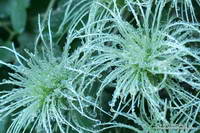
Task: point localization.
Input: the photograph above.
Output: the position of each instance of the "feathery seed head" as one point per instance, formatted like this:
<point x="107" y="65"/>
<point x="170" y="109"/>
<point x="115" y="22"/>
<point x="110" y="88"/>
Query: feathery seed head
<point x="49" y="94"/>
<point x="143" y="55"/>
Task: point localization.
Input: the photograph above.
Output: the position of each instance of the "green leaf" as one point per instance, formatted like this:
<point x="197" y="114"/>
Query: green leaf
<point x="26" y="3"/>
<point x="5" y="8"/>
<point x="19" y="15"/>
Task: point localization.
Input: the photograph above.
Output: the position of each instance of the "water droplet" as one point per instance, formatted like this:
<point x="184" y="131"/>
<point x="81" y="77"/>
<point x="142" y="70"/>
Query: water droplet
<point x="172" y="5"/>
<point x="32" y="119"/>
<point x="111" y="103"/>
<point x="94" y="126"/>
<point x="89" y="98"/>
<point x="4" y="80"/>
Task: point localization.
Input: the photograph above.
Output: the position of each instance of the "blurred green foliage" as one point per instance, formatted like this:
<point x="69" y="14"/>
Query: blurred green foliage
<point x="18" y="22"/>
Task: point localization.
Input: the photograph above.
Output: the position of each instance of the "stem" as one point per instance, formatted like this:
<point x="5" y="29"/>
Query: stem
<point x="50" y="6"/>
<point x="12" y="33"/>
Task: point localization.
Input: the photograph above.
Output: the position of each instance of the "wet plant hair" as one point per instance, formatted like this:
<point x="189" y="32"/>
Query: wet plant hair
<point x="186" y="9"/>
